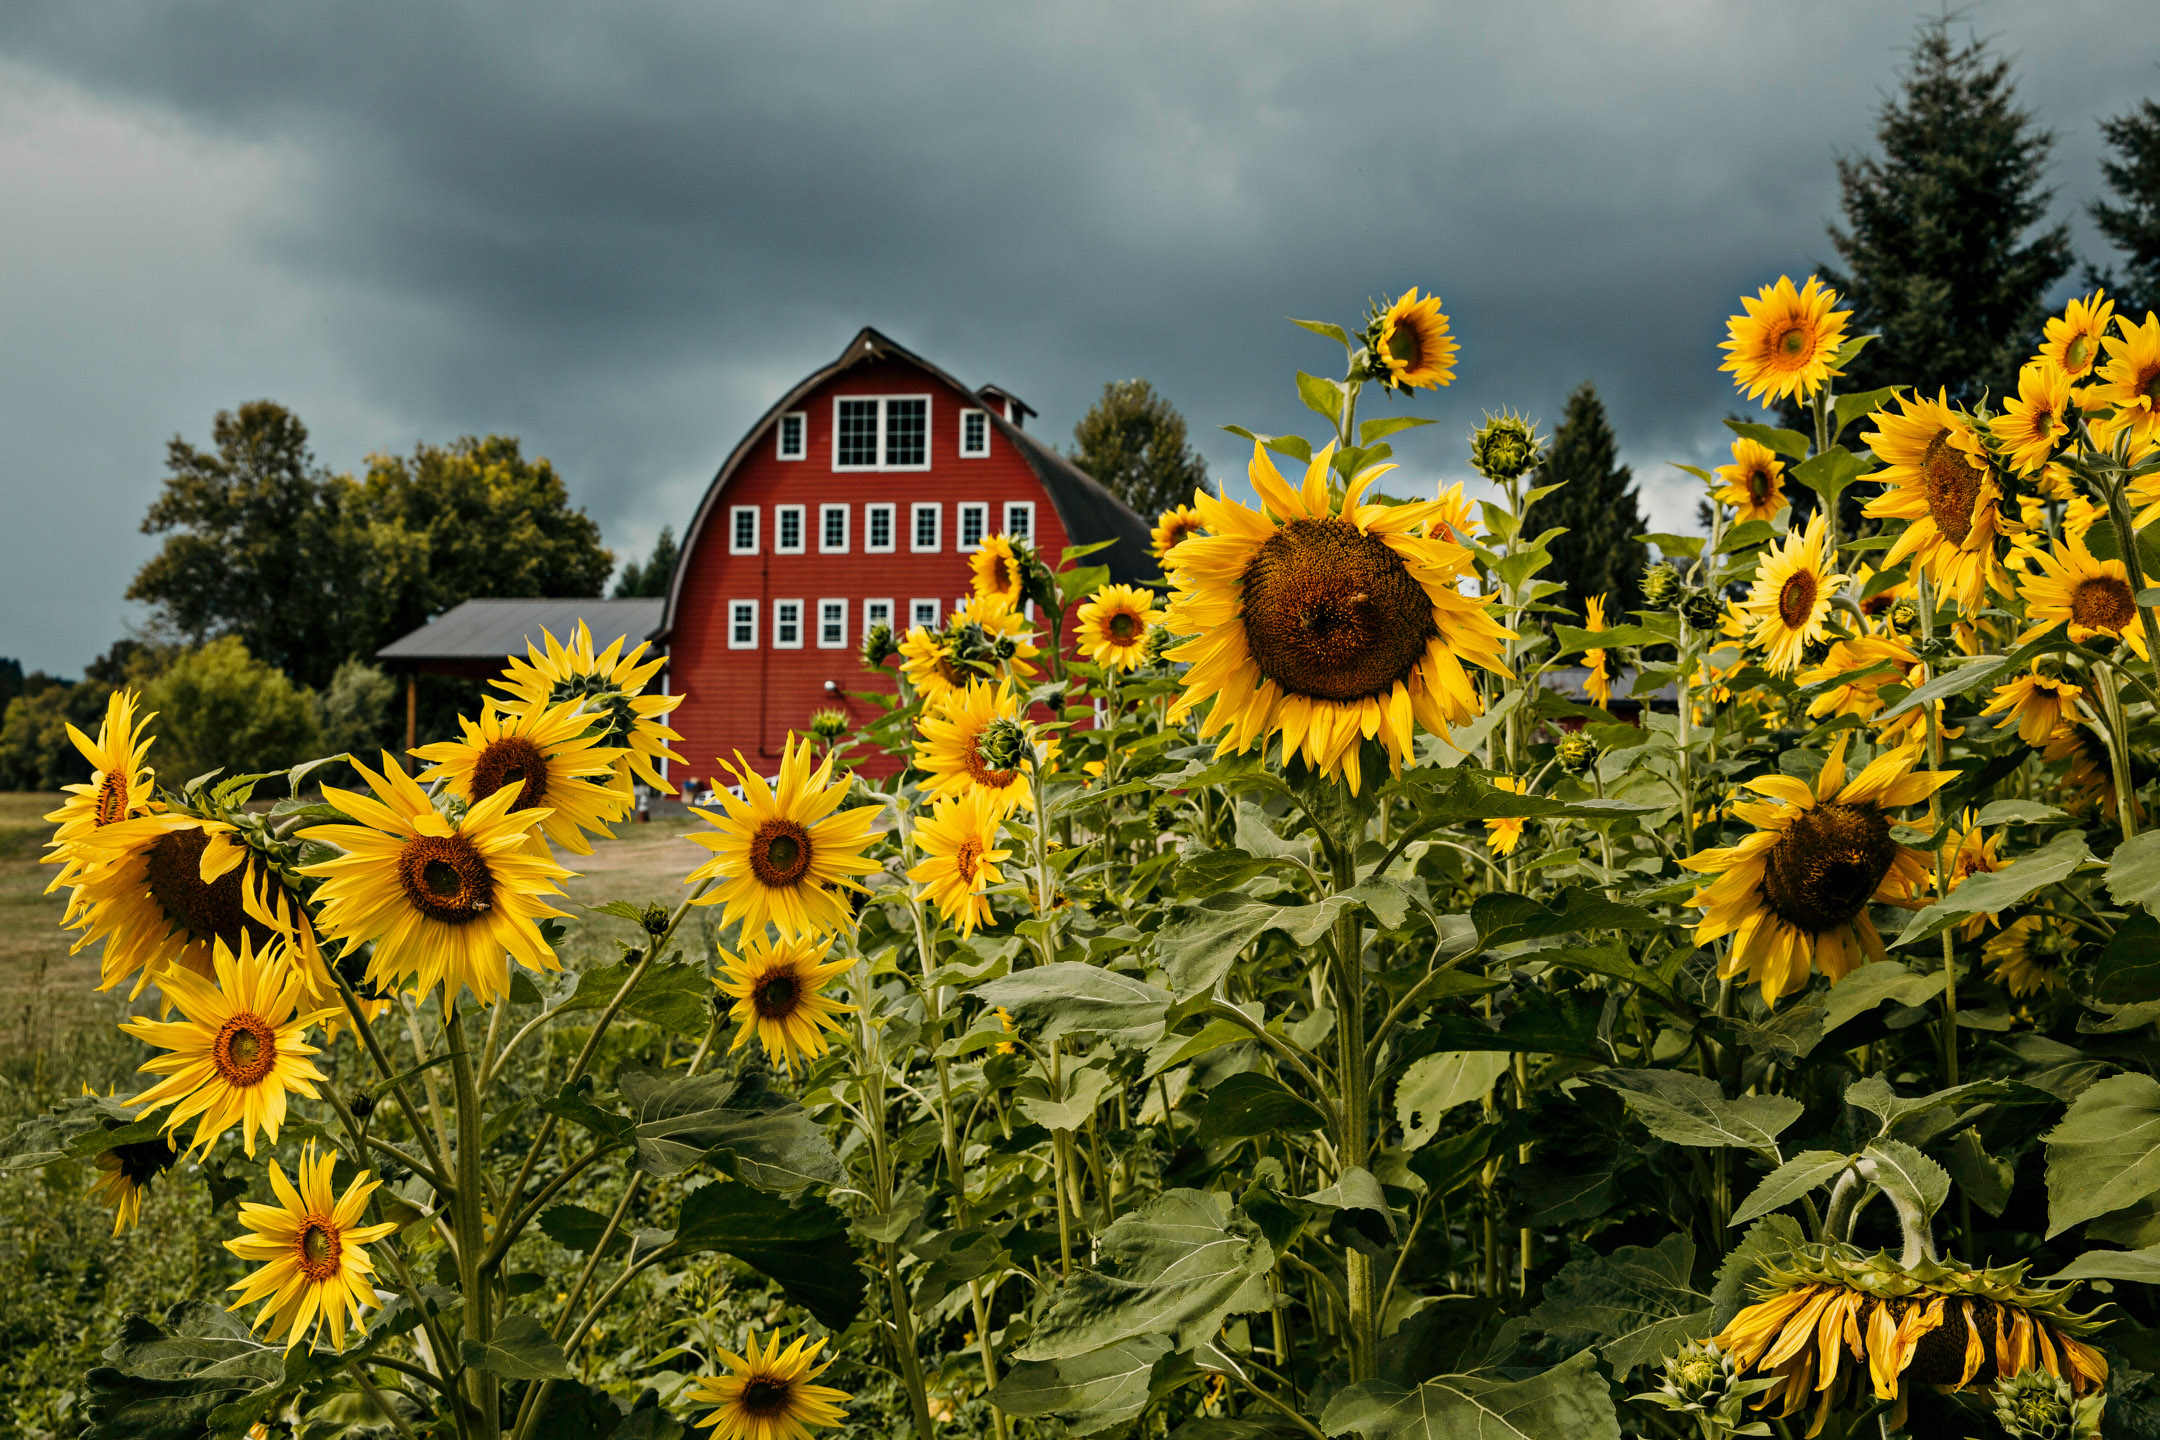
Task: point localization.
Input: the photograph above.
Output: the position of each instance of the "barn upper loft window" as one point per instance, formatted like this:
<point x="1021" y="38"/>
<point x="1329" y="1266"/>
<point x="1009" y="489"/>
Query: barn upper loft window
<point x="881" y="432"/>
<point x="794" y="435"/>
<point x="974" y="434"/>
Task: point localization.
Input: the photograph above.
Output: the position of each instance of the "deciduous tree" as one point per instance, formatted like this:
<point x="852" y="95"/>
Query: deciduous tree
<point x="1134" y="441"/>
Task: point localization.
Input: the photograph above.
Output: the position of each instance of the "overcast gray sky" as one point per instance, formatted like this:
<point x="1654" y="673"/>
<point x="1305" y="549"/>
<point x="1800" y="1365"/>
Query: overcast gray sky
<point x="619" y="231"/>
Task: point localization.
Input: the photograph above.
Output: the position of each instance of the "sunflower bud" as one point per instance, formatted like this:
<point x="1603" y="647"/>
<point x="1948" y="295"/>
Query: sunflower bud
<point x="1701" y="1380"/>
<point x="654" y="920"/>
<point x="1004" y="744"/>
<point x="828" y="725"/>
<point x="2034" y="1405"/>
<point x="1578" y="752"/>
<point x="1661" y="584"/>
<point x="1504" y="448"/>
<point x="878" y="646"/>
<point x="1904" y="614"/>
<point x="362" y="1105"/>
<point x="1159" y="643"/>
<point x="1700" y="609"/>
<point x="1036" y="581"/>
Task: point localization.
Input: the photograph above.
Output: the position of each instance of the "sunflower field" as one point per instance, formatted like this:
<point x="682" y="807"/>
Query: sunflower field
<point x="1334" y="992"/>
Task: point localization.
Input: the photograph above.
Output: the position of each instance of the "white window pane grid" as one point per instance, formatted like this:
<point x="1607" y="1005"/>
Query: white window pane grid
<point x="832" y="624"/>
<point x="857" y="443"/>
<point x="787" y="624"/>
<point x="879" y="522"/>
<point x="832" y="529"/>
<point x="907" y="430"/>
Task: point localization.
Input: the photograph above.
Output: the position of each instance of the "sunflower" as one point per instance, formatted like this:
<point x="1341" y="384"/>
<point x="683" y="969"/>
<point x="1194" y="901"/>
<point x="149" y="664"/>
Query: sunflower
<point x="2129" y="382"/>
<point x="959" y="845"/>
<point x="2090" y="775"/>
<point x="1754" y="482"/>
<point x="952" y="728"/>
<point x="1412" y="344"/>
<point x="926" y="658"/>
<point x="611" y="685"/>
<point x="1502" y="836"/>
<point x="778" y="996"/>
<point x="2072" y="343"/>
<point x="444" y="901"/>
<point x="1861" y="694"/>
<point x="995" y="570"/>
<point x="1938" y="478"/>
<point x="1789" y="607"/>
<point x="988" y="632"/>
<point x="120" y="789"/>
<point x="1114" y="626"/>
<point x="2038" y="704"/>
<point x="1794" y="894"/>
<point x="769" y="1396"/>
<point x="1971" y="851"/>
<point x="1326" y="625"/>
<point x="315" y="1269"/>
<point x="1597" y="684"/>
<point x="552" y="752"/>
<point x="235" y="1051"/>
<point x="2036" y="419"/>
<point x="2093" y="595"/>
<point x="784" y="854"/>
<point x="1786" y="343"/>
<point x="1930" y="1323"/>
<point x="124" y="1174"/>
<point x="2028" y="955"/>
<point x="1173" y="528"/>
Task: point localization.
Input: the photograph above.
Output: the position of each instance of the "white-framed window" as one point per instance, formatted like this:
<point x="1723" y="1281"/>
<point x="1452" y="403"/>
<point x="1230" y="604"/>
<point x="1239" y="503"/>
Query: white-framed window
<point x="881" y="432"/>
<point x="742" y="529"/>
<point x="787" y="624"/>
<point x="878" y="529"/>
<point x="832" y="537"/>
<point x="876" y="613"/>
<point x="832" y="624"/>
<point x="794" y="436"/>
<point x="924" y="613"/>
<point x="974" y="434"/>
<point x="787" y="529"/>
<point x="742" y="625"/>
<point x="974" y="523"/>
<point x="923" y="526"/>
<point x="1020" y="520"/>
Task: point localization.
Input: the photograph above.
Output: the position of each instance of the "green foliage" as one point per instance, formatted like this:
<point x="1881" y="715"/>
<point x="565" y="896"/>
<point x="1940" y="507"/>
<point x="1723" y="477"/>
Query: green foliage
<point x="1597" y="502"/>
<point x="354" y="713"/>
<point x="1132" y="439"/>
<point x="2130" y="216"/>
<point x="651" y="579"/>
<point x="35" y="751"/>
<point x="220" y="708"/>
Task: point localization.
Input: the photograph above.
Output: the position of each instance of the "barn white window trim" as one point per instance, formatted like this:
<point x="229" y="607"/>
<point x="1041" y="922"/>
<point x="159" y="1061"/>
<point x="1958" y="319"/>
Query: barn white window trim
<point x="876" y="518"/>
<point x="971" y="525"/>
<point x="876" y="613"/>
<point x="742" y="530"/>
<point x="787" y="624"/>
<point x="926" y="539"/>
<point x="791" y="437"/>
<point x="974" y="434"/>
<point x="832" y="624"/>
<point x="881" y="432"/>
<point x="788" y="537"/>
<point x="742" y="625"/>
<point x="832" y="530"/>
<point x="1024" y="512"/>
<point x="925" y="613"/>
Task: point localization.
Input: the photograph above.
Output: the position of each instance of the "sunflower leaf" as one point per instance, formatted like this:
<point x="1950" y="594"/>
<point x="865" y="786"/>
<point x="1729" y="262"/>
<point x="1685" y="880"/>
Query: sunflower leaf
<point x="1436" y="1084"/>
<point x="1872" y="984"/>
<point x="1341" y="337"/>
<point x="1829" y="473"/>
<point x="1256" y="1103"/>
<point x="1790" y="443"/>
<point x="1072" y="997"/>
<point x="1571" y="1399"/>
<point x="1903" y="1173"/>
<point x="1795" y="1178"/>
<point x="733" y="1122"/>
<point x="1369" y="431"/>
<point x="1980" y="672"/>
<point x="1636" y="1305"/>
<point x="2105" y="1155"/>
<point x="520" y="1349"/>
<point x="801" y="1246"/>
<point x="1768" y="1242"/>
<point x="1090" y="1392"/>
<point x="1322" y="397"/>
<point x="1852" y="407"/>
<point x="1691" y="1110"/>
<point x="1995" y="891"/>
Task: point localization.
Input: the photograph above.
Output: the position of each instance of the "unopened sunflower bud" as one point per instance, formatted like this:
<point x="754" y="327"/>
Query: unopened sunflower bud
<point x="1700" y="609"/>
<point x="1505" y="447"/>
<point x="828" y="725"/>
<point x="362" y="1105"/>
<point x="1036" y="581"/>
<point x="2036" y="1405"/>
<point x="878" y="646"/>
<point x="1159" y="643"/>
<point x="654" y="920"/>
<point x="1904" y="614"/>
<point x="1578" y="752"/>
<point x="1661" y="584"/>
<point x="1004" y="744"/>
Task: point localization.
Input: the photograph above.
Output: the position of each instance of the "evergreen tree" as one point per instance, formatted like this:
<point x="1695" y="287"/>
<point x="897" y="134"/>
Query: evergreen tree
<point x="1133" y="441"/>
<point x="1937" y="252"/>
<point x="2132" y="224"/>
<point x="1599" y="554"/>
<point x="650" y="580"/>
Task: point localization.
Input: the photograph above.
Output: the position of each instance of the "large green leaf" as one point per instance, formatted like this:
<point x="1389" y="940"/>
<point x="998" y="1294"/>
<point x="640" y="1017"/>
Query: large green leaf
<point x="674" y="997"/>
<point x="1089" y="1392"/>
<point x="1083" y="1087"/>
<point x="734" y="1123"/>
<point x="159" y="1384"/>
<point x="1502" y="919"/>
<point x="1795" y="1178"/>
<point x="1571" y="1401"/>
<point x="1691" y="1110"/>
<point x="2105" y="1155"/>
<point x="2128" y="971"/>
<point x="1072" y="998"/>
<point x="77" y="1128"/>
<point x="1256" y="1103"/>
<point x="2133" y="876"/>
<point x="803" y="1245"/>
<point x="1199" y="943"/>
<point x="1905" y="1174"/>
<point x="1636" y="1305"/>
<point x="1436" y="1084"/>
<point x="2141" y="1267"/>
<point x="1176" y="1266"/>
<point x="520" y="1349"/>
<point x="1995" y="891"/>
<point x="1869" y="986"/>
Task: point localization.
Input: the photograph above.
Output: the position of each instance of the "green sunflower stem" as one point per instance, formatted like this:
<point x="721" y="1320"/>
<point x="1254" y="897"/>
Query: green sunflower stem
<point x="2118" y="741"/>
<point x="2118" y="508"/>
<point x="1353" y="1136"/>
<point x="470" y="1227"/>
<point x="1933" y="716"/>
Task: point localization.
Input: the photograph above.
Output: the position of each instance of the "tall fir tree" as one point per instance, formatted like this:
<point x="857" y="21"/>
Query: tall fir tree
<point x="650" y="580"/>
<point x="1133" y="440"/>
<point x="1599" y="554"/>
<point x="2131" y="221"/>
<point x="1938" y="251"/>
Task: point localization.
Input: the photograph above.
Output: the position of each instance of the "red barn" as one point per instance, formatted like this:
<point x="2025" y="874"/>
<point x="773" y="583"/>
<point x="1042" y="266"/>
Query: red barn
<point x="856" y="500"/>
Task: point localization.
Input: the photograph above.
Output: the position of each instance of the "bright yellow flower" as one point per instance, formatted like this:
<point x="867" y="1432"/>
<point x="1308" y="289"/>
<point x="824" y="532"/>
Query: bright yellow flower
<point x="1785" y="344"/>
<point x="1326" y="625"/>
<point x="552" y="753"/>
<point x="1502" y="836"/>
<point x="2090" y="776"/>
<point x="926" y="659"/>
<point x="1939" y="480"/>
<point x="2093" y="595"/>
<point x="612" y="685"/>
<point x="958" y="840"/>
<point x="2129" y="382"/>
<point x="786" y="855"/>
<point x="444" y="902"/>
<point x="2038" y="704"/>
<point x="1969" y="852"/>
<point x="779" y="996"/>
<point x="123" y="1178"/>
<point x="1754" y="482"/>
<point x="1114" y="623"/>
<point x="1794" y="894"/>
<point x="2072" y="343"/>
<point x="1415" y="350"/>
<point x="1789" y="607"/>
<point x="769" y="1396"/>
<point x="1597" y="684"/>
<point x="950" y="754"/>
<point x="1173" y="527"/>
<point x="2028" y="956"/>
<point x="315" y="1265"/>
<point x="120" y="789"/>
<point x="2035" y="421"/>
<point x="994" y="570"/>
<point x="1861" y="695"/>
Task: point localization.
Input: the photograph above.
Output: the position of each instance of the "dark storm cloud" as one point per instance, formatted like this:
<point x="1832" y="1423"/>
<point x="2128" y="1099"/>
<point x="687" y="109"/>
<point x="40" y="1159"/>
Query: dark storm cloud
<point x="619" y="231"/>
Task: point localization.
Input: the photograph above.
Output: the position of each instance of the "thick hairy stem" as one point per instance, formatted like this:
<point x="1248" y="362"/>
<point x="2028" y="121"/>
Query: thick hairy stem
<point x="470" y="1224"/>
<point x="1353" y="1135"/>
<point x="904" y="1343"/>
<point x="1912" y="1221"/>
<point x="1942" y="874"/>
<point x="1844" y="1204"/>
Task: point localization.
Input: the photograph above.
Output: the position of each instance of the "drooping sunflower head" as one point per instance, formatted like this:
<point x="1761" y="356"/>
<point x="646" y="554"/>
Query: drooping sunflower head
<point x="443" y="901"/>
<point x="2072" y="343"/>
<point x="991" y="635"/>
<point x="312" y="1246"/>
<point x="785" y="854"/>
<point x="2036" y="419"/>
<point x="1502" y="836"/>
<point x="1326" y="624"/>
<point x="551" y="753"/>
<point x="2090" y="776"/>
<point x="779" y="996"/>
<point x="996" y="570"/>
<point x="1409" y="343"/>
<point x="611" y="687"/>
<point x="120" y="788"/>
<point x="1173" y="527"/>
<point x="958" y="841"/>
<point x="768" y="1395"/>
<point x="1785" y="342"/>
<point x="2029" y="955"/>
<point x="2037" y="704"/>
<point x="926" y="659"/>
<point x="2129" y="383"/>
<point x="1754" y="482"/>
<point x="1114" y="623"/>
<point x="2094" y="595"/>
<point x="1789" y="607"/>
<point x="124" y="1174"/>
<point x="953" y="728"/>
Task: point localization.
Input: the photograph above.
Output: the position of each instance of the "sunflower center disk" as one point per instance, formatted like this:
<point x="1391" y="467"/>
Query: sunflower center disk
<point x="764" y="1396"/>
<point x="780" y="853"/>
<point x="1333" y="614"/>
<point x="173" y="869"/>
<point x="1758" y="486"/>
<point x="1793" y="341"/>
<point x="244" y="1050"/>
<point x="1826" y="865"/>
<point x="967" y="859"/>
<point x="446" y="878"/>
<point x="506" y="762"/>
<point x="1405" y="345"/>
<point x="2103" y="602"/>
<point x="775" y="997"/>
<point x="112" y="799"/>
<point x="1796" y="601"/>
<point x="318" y="1247"/>
<point x="1952" y="488"/>
<point x="1122" y="626"/>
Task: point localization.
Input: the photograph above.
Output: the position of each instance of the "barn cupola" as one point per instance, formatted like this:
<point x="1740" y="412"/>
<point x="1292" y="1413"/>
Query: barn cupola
<point x="1007" y="404"/>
